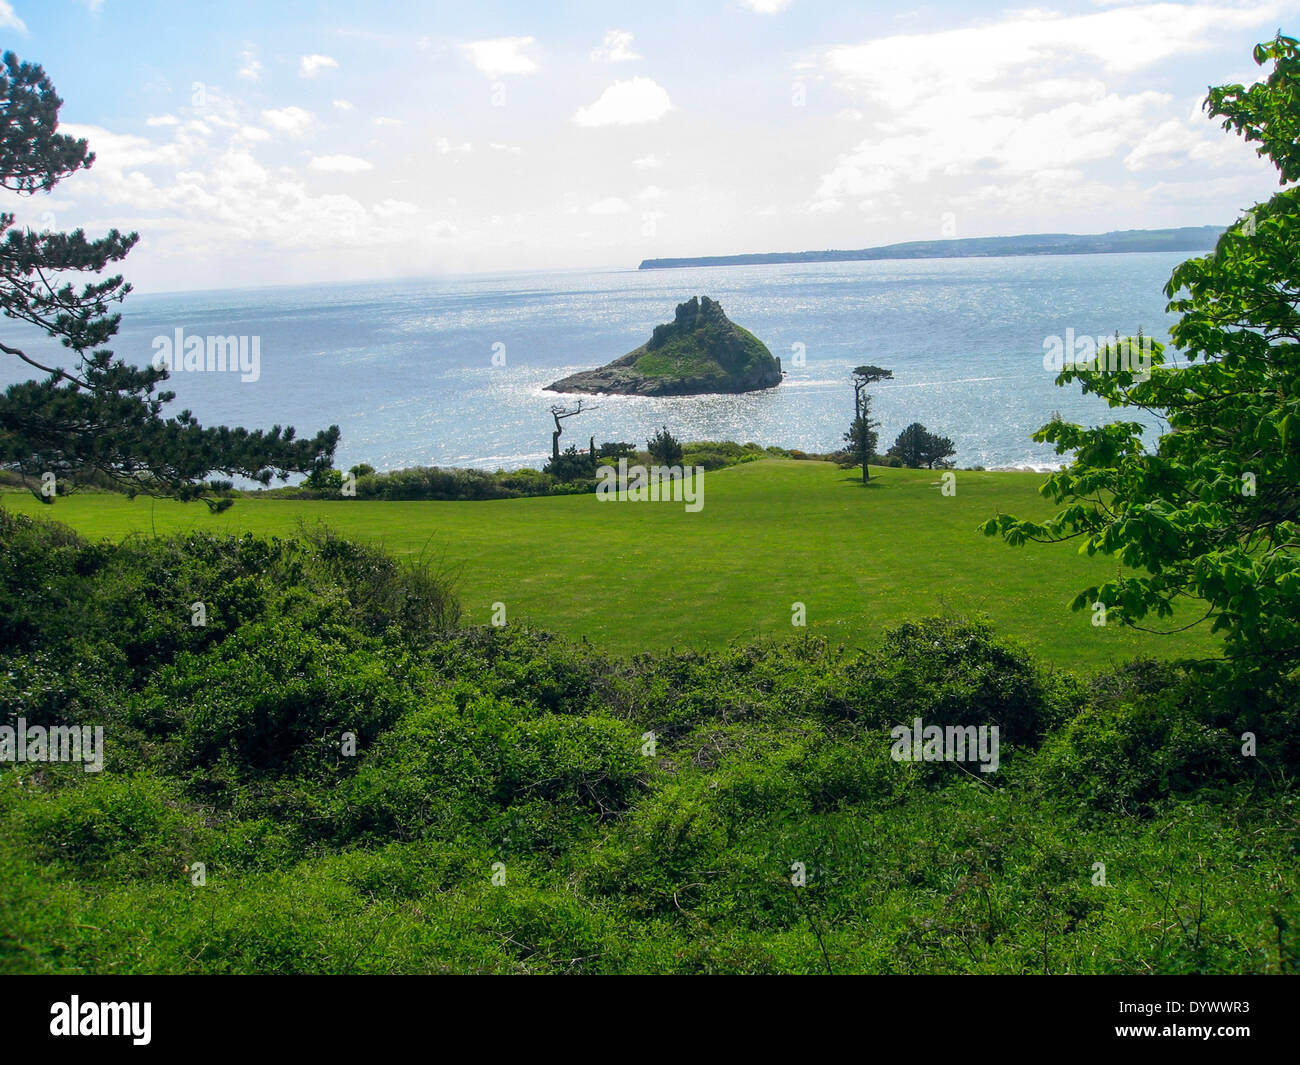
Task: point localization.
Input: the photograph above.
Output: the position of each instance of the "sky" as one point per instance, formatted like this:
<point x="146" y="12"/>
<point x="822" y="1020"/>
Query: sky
<point x="256" y="144"/>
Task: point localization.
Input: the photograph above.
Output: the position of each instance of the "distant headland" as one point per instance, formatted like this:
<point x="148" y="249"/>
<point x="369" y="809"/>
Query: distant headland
<point x="701" y="351"/>
<point x="1188" y="238"/>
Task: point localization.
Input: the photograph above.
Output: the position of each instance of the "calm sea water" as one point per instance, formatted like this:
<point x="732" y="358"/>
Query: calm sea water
<point x="406" y="368"/>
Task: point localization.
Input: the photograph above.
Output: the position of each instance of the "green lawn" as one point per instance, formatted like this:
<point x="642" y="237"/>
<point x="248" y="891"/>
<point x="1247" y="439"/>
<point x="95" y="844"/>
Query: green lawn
<point x="646" y="576"/>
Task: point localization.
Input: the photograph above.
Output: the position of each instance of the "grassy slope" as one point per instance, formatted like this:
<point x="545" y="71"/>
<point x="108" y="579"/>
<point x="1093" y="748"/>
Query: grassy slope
<point x="650" y="576"/>
<point x="682" y="357"/>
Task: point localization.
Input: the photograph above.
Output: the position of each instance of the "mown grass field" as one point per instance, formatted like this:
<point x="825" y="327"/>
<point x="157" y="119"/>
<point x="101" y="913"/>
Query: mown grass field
<point x="635" y="577"/>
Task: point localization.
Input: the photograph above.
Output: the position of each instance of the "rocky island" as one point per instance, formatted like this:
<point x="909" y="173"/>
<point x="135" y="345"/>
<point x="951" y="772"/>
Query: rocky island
<point x="700" y="351"/>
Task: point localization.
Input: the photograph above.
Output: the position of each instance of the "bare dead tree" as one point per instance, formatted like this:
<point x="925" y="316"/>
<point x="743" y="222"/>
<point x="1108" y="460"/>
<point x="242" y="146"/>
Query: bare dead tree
<point x="558" y="412"/>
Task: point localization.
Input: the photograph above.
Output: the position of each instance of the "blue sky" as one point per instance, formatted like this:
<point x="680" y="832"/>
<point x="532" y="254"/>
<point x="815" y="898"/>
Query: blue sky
<point x="254" y="143"/>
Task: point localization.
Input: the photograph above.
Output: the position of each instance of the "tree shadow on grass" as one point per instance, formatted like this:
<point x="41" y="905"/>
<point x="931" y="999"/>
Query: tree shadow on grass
<point x="856" y="480"/>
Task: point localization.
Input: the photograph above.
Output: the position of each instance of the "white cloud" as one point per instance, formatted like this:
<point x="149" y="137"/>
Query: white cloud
<point x="343" y="105"/>
<point x="1032" y="47"/>
<point x="192" y="191"/>
<point x="394" y="209"/>
<point x="162" y="120"/>
<point x="650" y="193"/>
<point x="1222" y="195"/>
<point x="1052" y="191"/>
<point x="615" y="48"/>
<point x="503" y="55"/>
<point x="311" y="65"/>
<point x="291" y="120"/>
<point x="1004" y="104"/>
<point x="122" y="151"/>
<point x="443" y="228"/>
<point x="444" y="146"/>
<point x="1172" y="144"/>
<point x="121" y="160"/>
<point x="626" y="103"/>
<point x="826" y="206"/>
<point x="251" y="69"/>
<point x="381" y="120"/>
<point x="9" y="19"/>
<point x="609" y="205"/>
<point x="237" y="169"/>
<point x="766" y="7"/>
<point x="513" y="149"/>
<point x="339" y="164"/>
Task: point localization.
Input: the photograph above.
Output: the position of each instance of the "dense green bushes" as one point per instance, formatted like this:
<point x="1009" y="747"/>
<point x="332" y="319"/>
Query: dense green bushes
<point x="950" y="672"/>
<point x="430" y="482"/>
<point x="572" y="475"/>
<point x="368" y="788"/>
<point x="572" y="469"/>
<point x="1152" y="730"/>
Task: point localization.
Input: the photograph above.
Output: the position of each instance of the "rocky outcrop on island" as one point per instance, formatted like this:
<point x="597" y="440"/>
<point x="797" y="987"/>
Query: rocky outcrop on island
<point x="700" y="351"/>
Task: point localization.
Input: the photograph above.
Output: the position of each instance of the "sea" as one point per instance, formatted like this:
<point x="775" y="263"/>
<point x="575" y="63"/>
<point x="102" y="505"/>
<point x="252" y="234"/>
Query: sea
<point x="452" y="371"/>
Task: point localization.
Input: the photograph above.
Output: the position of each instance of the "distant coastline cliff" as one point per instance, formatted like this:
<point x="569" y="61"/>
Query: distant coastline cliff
<point x="1190" y="238"/>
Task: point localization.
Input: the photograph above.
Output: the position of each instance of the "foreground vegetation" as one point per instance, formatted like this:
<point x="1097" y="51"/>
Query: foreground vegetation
<point x="772" y="533"/>
<point x="650" y="815"/>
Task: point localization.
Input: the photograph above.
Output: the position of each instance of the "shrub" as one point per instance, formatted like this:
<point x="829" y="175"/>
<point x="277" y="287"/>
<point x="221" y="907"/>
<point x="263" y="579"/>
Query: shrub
<point x="431" y="482"/>
<point x="411" y="595"/>
<point x="590" y="762"/>
<point x="276" y="698"/>
<point x="435" y="774"/>
<point x="950" y="671"/>
<point x="665" y="448"/>
<point x="571" y="466"/>
<point x="111" y="825"/>
<point x="326" y="482"/>
<point x="1154" y="730"/>
<point x="1126" y="757"/>
<point x="526" y="482"/>
<point x="709" y="460"/>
